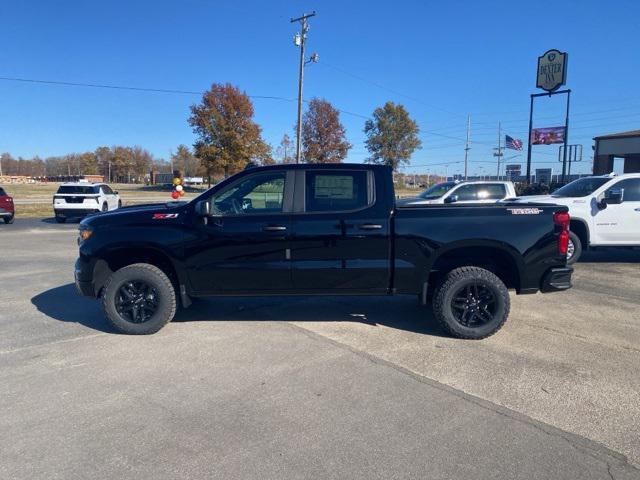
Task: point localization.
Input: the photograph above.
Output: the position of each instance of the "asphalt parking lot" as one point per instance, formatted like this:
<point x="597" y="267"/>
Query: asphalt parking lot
<point x="314" y="387"/>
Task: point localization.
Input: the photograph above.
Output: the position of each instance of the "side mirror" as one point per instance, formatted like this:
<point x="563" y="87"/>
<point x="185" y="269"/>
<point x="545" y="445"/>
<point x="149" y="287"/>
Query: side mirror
<point x="116" y="192"/>
<point x="203" y="208"/>
<point x="614" y="196"/>
<point x="451" y="199"/>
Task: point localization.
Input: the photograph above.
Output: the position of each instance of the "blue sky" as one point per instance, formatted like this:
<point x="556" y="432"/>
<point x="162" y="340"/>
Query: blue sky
<point x="442" y="60"/>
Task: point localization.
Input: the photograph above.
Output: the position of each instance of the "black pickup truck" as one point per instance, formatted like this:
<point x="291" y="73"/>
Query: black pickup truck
<point x="320" y="229"/>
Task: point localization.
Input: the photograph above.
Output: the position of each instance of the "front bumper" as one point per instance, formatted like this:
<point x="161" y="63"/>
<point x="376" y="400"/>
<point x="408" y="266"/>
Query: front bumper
<point x="84" y="283"/>
<point x="556" y="280"/>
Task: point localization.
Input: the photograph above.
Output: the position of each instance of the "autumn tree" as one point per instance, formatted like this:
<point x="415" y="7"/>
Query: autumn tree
<point x="185" y="161"/>
<point x="285" y="151"/>
<point x="323" y="136"/>
<point x="228" y="138"/>
<point x="392" y="136"/>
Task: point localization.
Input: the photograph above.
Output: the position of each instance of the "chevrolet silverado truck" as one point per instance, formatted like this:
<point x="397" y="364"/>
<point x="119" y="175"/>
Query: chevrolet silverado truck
<point x="604" y="209"/>
<point x="320" y="230"/>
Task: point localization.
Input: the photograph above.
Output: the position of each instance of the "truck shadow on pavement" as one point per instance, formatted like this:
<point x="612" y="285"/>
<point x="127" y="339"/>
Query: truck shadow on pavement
<point x="610" y="255"/>
<point x="64" y="303"/>
<point x="403" y="312"/>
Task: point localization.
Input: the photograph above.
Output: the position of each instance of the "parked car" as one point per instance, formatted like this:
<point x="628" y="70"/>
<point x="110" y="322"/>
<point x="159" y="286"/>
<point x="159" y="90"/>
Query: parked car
<point x="81" y="198"/>
<point x="7" y="210"/>
<point x="605" y="211"/>
<point x="320" y="229"/>
<point x="463" y="192"/>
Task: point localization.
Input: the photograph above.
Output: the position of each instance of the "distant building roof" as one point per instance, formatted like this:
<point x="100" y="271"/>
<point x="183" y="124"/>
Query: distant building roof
<point x="630" y="133"/>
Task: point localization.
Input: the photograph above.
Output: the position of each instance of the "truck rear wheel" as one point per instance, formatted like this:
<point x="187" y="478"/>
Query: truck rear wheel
<point x="574" y="249"/>
<point x="471" y="303"/>
<point x="139" y="299"/>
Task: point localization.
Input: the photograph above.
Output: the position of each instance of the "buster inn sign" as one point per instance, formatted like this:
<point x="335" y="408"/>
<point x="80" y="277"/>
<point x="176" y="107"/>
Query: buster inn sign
<point x="552" y="70"/>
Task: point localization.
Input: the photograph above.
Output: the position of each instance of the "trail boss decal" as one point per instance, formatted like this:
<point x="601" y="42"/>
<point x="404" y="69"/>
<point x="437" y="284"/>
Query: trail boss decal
<point x="525" y="211"/>
<point x="164" y="216"/>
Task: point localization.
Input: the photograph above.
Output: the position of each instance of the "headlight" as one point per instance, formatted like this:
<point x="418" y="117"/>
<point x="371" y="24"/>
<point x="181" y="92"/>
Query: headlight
<point x="84" y="234"/>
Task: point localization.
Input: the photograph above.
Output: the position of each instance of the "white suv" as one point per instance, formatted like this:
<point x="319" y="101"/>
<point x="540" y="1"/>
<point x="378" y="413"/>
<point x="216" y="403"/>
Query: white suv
<point x="605" y="211"/>
<point x="463" y="192"/>
<point x="81" y="198"/>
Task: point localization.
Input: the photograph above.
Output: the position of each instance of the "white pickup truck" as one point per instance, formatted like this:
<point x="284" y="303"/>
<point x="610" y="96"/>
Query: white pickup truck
<point x="476" y="191"/>
<point x="604" y="210"/>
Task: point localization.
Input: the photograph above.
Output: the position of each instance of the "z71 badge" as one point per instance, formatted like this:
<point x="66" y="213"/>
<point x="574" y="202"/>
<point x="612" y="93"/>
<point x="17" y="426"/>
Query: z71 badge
<point x="525" y="211"/>
<point x="164" y="216"/>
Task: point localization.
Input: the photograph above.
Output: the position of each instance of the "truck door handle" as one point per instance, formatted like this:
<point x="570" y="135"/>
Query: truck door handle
<point x="370" y="226"/>
<point x="274" y="228"/>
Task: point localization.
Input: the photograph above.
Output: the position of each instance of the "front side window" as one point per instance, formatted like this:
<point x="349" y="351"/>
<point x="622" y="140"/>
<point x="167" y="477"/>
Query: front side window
<point x="257" y="194"/>
<point x="581" y="187"/>
<point x="336" y="191"/>
<point x="437" y="190"/>
<point x="631" y="188"/>
<point x="466" y="193"/>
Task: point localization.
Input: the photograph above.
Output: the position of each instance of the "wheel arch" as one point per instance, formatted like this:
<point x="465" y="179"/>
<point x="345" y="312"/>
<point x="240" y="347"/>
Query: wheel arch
<point x="117" y="258"/>
<point x="495" y="257"/>
<point x="581" y="229"/>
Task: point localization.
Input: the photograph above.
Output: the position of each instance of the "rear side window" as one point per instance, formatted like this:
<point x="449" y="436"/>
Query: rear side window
<point x="631" y="188"/>
<point x="491" y="191"/>
<point x="336" y="191"/>
<point x="78" y="189"/>
<point x="107" y="190"/>
<point x="2" y="192"/>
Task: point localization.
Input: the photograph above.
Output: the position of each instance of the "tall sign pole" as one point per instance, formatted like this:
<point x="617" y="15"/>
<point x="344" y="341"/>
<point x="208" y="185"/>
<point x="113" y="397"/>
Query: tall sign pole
<point x="529" y="141"/>
<point x="566" y="139"/>
<point x="551" y="75"/>
<point x="299" y="40"/>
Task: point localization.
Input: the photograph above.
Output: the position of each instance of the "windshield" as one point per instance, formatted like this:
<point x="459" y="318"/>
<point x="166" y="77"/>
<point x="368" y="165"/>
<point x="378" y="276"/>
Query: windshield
<point x="78" y="189"/>
<point x="437" y="190"/>
<point x="581" y="187"/>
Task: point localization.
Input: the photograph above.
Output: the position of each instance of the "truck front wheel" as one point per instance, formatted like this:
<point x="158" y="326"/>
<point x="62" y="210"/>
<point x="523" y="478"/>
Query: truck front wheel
<point x="139" y="299"/>
<point x="574" y="249"/>
<point x="471" y="303"/>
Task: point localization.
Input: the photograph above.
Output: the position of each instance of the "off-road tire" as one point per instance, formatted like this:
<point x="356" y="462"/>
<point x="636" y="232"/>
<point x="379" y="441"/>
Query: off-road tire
<point x="577" y="248"/>
<point x="151" y="275"/>
<point x="452" y="283"/>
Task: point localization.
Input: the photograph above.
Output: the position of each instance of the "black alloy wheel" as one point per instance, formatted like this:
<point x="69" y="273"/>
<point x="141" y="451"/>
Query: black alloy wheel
<point x="473" y="305"/>
<point x="471" y="302"/>
<point x="136" y="301"/>
<point x="139" y="299"/>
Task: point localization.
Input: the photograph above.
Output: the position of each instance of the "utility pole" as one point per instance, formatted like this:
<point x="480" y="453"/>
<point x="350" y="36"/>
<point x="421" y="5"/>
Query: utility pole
<point x="466" y="145"/>
<point x="299" y="40"/>
<point x="498" y="152"/>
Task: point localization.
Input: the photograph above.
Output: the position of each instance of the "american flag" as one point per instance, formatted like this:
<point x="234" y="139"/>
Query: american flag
<point x="512" y="143"/>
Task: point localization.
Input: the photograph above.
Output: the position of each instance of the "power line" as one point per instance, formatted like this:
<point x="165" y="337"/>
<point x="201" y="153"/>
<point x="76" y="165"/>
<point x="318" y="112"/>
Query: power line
<point x="123" y="87"/>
